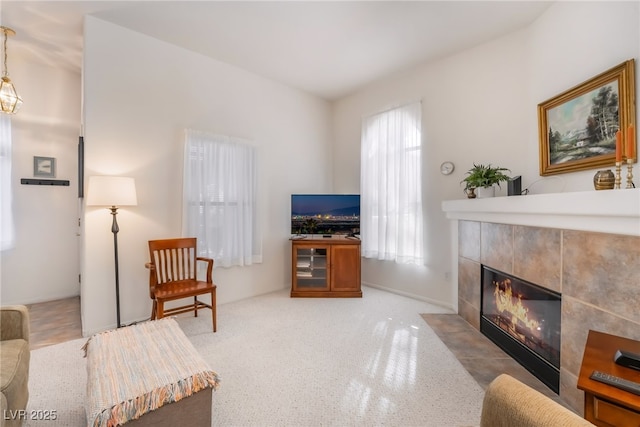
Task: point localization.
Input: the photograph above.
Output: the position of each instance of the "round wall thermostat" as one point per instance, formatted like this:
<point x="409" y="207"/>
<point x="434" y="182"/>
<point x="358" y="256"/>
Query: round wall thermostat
<point x="446" y="168"/>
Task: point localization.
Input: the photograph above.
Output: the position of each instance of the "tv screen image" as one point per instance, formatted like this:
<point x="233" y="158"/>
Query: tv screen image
<point x="325" y="214"/>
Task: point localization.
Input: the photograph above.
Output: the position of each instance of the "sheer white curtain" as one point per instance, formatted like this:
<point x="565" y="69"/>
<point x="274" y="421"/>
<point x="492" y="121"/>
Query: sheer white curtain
<point x="6" y="208"/>
<point x="220" y="198"/>
<point x="391" y="185"/>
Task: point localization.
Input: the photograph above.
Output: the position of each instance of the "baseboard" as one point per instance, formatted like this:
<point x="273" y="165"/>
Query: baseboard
<point x="410" y="295"/>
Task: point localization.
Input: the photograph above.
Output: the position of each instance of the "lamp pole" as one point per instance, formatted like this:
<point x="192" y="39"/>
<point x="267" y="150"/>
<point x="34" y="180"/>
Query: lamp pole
<point x="114" y="230"/>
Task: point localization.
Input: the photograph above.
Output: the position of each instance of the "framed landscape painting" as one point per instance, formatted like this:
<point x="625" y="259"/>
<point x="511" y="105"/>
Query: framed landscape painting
<point x="577" y="129"/>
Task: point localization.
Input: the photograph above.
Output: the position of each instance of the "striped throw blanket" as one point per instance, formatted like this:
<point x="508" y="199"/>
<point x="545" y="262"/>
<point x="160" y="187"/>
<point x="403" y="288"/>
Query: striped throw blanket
<point x="134" y="370"/>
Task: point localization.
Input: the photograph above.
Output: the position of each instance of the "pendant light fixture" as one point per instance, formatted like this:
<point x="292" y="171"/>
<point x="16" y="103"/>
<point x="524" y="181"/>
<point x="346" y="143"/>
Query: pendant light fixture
<point x="10" y="101"/>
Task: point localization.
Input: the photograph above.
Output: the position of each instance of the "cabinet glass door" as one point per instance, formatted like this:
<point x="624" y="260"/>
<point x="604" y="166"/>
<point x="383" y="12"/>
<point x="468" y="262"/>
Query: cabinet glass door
<point x="311" y="268"/>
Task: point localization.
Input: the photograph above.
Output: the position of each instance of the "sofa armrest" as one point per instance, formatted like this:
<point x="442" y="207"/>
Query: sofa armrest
<point x="509" y="402"/>
<point x="14" y="322"/>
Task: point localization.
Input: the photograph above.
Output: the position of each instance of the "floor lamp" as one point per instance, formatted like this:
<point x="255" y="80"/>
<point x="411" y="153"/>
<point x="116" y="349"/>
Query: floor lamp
<point x="113" y="191"/>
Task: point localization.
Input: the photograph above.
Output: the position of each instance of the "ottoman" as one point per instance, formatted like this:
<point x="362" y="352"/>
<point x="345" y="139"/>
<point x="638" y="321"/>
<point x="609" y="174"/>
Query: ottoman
<point x="147" y="374"/>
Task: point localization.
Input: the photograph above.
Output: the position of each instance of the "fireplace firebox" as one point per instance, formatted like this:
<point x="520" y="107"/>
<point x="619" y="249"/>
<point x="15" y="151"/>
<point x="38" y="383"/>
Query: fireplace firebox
<point x="524" y="320"/>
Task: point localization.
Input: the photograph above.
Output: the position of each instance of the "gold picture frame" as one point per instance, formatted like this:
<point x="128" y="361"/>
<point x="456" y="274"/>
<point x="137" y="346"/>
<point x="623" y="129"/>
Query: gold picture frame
<point x="577" y="129"/>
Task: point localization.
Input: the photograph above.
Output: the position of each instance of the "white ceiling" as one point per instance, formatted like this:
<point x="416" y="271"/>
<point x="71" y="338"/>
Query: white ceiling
<point x="328" y="48"/>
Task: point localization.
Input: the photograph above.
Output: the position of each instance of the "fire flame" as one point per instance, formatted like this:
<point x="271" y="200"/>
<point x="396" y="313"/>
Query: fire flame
<point x="507" y="302"/>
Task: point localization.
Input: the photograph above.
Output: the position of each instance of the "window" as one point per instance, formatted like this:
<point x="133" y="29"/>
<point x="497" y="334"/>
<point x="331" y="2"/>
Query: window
<point x="6" y="214"/>
<point x="220" y="198"/>
<point x="391" y="185"/>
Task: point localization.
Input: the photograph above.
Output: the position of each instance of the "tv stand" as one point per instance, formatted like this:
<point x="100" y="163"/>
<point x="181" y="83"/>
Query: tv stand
<point x="325" y="267"/>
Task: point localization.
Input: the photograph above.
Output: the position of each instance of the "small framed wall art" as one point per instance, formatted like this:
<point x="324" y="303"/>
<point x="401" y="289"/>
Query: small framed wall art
<point x="44" y="167"/>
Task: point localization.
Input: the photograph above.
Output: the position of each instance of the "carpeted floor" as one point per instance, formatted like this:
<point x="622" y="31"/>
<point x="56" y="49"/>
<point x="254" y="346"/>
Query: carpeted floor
<point x="301" y="362"/>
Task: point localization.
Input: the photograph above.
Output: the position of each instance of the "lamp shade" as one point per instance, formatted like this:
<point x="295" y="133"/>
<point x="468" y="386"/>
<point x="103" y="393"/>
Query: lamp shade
<point x="111" y="191"/>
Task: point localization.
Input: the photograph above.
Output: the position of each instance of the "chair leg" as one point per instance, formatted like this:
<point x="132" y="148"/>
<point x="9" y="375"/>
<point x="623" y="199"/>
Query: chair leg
<point x="153" y="310"/>
<point x="195" y="306"/>
<point x="213" y="309"/>
<point x="160" y="310"/>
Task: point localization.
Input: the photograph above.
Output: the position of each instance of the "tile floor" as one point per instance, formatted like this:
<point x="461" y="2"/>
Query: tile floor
<point x="481" y="357"/>
<point x="54" y="322"/>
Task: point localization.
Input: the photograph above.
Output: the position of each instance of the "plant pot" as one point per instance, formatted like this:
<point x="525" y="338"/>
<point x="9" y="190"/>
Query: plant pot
<point x="486" y="192"/>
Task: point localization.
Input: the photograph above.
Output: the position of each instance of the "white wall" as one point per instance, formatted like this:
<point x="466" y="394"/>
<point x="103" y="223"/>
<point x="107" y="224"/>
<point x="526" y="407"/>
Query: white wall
<point x="140" y="94"/>
<point x="481" y="106"/>
<point x="43" y="265"/>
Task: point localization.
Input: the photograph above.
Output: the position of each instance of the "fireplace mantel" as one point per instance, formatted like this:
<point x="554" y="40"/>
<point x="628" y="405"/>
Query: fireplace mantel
<point x="605" y="211"/>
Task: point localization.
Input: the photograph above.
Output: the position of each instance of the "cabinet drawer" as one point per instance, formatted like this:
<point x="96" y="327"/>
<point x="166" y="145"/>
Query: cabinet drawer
<point x="615" y="415"/>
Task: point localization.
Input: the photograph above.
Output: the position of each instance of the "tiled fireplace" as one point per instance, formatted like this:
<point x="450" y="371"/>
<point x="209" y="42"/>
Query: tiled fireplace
<point x="593" y="264"/>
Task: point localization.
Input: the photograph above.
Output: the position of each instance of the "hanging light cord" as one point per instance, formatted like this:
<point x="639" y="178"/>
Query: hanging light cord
<point x="4" y="49"/>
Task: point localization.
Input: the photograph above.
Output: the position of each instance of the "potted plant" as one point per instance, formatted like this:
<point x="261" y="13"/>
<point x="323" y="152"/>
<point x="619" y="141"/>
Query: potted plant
<point x="483" y="177"/>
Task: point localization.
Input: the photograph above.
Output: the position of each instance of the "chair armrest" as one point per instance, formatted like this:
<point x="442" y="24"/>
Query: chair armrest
<point x="153" y="279"/>
<point x="209" y="262"/>
<point x="14" y="322"/>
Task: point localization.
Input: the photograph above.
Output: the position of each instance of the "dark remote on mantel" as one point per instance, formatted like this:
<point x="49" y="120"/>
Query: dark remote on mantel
<point x="612" y="380"/>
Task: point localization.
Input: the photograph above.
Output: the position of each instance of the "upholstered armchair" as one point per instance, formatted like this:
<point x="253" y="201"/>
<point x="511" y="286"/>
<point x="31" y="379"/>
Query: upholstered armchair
<point x="509" y="402"/>
<point x="14" y="364"/>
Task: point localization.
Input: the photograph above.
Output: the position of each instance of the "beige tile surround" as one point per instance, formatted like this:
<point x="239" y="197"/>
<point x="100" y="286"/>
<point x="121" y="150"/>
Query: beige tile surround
<point x="598" y="275"/>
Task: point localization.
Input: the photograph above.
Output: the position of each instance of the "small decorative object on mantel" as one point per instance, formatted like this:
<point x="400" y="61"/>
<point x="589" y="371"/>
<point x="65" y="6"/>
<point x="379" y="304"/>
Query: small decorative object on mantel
<point x="481" y="177"/>
<point x="625" y="147"/>
<point x="617" y="181"/>
<point x="470" y="192"/>
<point x="604" y="180"/>
<point x="630" y="174"/>
<point x="631" y="154"/>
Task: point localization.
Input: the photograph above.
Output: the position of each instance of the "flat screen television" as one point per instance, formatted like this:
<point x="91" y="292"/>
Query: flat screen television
<point x="325" y="214"/>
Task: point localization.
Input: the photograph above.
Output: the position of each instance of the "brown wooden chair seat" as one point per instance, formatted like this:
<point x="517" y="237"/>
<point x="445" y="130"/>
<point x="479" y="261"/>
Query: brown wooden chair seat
<point x="173" y="276"/>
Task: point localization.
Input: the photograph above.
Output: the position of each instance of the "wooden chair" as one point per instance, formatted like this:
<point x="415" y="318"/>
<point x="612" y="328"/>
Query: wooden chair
<point x="172" y="276"/>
